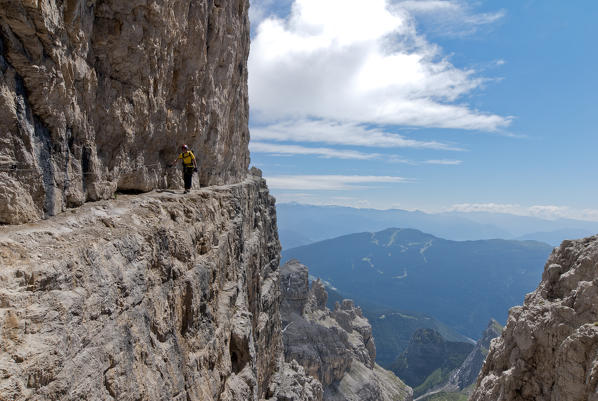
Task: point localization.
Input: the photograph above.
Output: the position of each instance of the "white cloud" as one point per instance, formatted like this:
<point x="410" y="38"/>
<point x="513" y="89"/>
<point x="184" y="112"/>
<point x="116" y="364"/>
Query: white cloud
<point x="322" y="200"/>
<point x="262" y="147"/>
<point x="428" y="6"/>
<point x="450" y="17"/>
<point x="336" y="133"/>
<point x="550" y="212"/>
<point x="328" y="153"/>
<point x="361" y="62"/>
<point x="444" y="162"/>
<point x="328" y="182"/>
<point x="261" y="9"/>
<point x="486" y="207"/>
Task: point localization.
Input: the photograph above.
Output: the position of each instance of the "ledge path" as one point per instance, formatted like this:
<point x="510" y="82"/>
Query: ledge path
<point x="158" y="296"/>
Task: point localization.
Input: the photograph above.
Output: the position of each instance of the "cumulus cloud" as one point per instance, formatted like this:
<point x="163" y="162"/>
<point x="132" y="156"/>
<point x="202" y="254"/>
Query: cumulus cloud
<point x="328" y="182"/>
<point x="361" y="62"/>
<point x="339" y="133"/>
<point x="262" y="147"/>
<point x="262" y="9"/>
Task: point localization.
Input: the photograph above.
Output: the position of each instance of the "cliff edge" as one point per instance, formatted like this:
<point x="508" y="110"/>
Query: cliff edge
<point x="548" y="350"/>
<point x="153" y="297"/>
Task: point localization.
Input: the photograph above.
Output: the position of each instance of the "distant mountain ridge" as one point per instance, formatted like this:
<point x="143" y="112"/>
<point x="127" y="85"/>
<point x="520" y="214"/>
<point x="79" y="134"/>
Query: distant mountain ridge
<point x="462" y="283"/>
<point x="429" y="360"/>
<point x="393" y="329"/>
<point x="301" y="224"/>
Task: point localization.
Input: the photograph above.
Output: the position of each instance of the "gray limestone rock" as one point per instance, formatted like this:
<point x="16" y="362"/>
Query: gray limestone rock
<point x="98" y="96"/>
<point x="291" y="383"/>
<point x="149" y="297"/>
<point x="549" y="348"/>
<point x="467" y="373"/>
<point x="337" y="346"/>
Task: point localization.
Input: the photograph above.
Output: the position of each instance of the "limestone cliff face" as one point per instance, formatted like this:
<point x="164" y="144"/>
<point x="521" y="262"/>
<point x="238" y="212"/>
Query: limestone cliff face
<point x="336" y="347"/>
<point x="149" y="297"/>
<point x="549" y="348"/>
<point x="97" y="96"/>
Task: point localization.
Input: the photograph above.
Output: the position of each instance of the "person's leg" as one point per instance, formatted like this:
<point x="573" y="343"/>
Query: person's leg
<point x="188" y="177"/>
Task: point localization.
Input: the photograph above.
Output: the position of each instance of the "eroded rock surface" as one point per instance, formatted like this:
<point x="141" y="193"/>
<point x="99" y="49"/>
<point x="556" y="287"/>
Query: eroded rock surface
<point x="152" y="297"/>
<point x="97" y="96"/>
<point x="336" y="347"/>
<point x="467" y="373"/>
<point x="549" y="348"/>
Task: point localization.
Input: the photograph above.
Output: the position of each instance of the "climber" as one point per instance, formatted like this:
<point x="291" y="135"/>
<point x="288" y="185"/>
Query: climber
<point x="189" y="166"/>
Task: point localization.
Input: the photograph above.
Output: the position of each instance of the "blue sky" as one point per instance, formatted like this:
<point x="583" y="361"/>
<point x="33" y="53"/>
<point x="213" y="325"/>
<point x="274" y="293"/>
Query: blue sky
<point x="433" y="105"/>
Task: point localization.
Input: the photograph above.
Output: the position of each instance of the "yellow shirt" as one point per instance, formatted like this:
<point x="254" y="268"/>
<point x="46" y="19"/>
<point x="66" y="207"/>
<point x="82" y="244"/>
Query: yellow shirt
<point x="188" y="158"/>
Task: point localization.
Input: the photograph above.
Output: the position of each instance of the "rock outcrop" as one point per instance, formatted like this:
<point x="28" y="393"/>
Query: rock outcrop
<point x="336" y="347"/>
<point x="148" y="297"/>
<point x="98" y="96"/>
<point x="549" y="348"/>
<point x="467" y="374"/>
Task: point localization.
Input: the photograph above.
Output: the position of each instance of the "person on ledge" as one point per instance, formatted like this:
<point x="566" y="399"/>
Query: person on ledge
<point x="189" y="166"/>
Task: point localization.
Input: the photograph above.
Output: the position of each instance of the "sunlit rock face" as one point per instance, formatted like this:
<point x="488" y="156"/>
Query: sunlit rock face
<point x="336" y="347"/>
<point x="97" y="96"/>
<point x="148" y="297"/>
<point x="549" y="348"/>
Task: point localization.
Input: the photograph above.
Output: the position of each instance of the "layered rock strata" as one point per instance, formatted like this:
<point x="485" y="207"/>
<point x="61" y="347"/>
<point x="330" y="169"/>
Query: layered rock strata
<point x="336" y="347"/>
<point x="149" y="297"/>
<point x="98" y="96"/>
<point x="549" y="348"/>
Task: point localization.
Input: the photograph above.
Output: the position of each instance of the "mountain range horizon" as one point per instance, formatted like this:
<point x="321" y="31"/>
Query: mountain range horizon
<point x="301" y="224"/>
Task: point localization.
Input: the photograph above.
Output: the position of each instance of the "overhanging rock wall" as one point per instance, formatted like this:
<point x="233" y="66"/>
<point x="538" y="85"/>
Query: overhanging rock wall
<point x="98" y="95"/>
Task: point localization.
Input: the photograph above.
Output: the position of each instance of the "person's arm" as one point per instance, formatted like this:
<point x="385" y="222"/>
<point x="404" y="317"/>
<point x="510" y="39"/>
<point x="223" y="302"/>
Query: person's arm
<point x="175" y="160"/>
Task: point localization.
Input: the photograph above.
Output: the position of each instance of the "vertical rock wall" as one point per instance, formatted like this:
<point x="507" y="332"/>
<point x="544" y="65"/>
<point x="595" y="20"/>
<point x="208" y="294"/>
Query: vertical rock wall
<point x="98" y="95"/>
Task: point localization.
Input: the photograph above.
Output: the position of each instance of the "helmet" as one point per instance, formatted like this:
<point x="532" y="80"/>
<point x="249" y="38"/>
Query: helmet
<point x="184" y="147"/>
